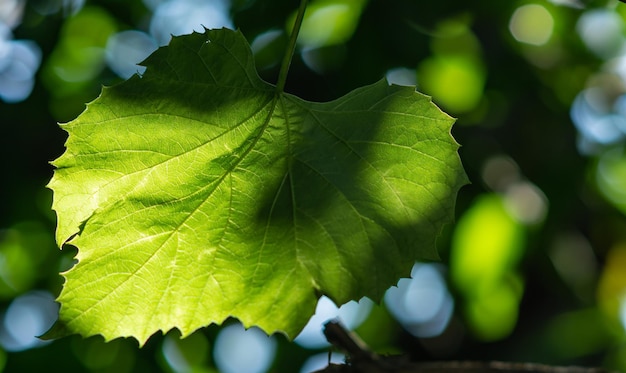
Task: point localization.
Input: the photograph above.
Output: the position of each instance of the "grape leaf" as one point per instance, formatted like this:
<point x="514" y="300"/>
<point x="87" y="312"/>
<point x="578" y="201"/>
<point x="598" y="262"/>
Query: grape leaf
<point x="197" y="192"/>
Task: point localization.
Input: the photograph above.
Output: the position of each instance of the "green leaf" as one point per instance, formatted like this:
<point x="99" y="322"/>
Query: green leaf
<point x="196" y="192"/>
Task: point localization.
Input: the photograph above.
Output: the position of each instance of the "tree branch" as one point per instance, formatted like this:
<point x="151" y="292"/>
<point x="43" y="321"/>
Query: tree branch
<point x="362" y="360"/>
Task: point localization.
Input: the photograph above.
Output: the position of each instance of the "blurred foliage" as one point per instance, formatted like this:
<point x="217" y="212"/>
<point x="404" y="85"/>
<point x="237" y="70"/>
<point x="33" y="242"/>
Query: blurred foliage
<point x="73" y="67"/>
<point x="541" y="119"/>
<point x="486" y="248"/>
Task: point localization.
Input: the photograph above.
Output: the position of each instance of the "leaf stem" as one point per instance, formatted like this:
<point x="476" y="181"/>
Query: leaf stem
<point x="291" y="48"/>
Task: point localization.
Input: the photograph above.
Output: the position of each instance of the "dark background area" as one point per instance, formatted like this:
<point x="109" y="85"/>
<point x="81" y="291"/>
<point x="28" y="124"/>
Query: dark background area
<point x="524" y="143"/>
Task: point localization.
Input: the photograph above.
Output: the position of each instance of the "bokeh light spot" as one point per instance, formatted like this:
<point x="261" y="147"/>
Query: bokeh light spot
<point x="5" y="47"/>
<point x="238" y="350"/>
<point x="401" y="76"/>
<point x="17" y="269"/>
<point x="126" y="49"/>
<point x="486" y="245"/>
<point x="11" y="12"/>
<point x="576" y="4"/>
<point x="24" y="250"/>
<point x="179" y="17"/>
<point x="268" y="48"/>
<point x="531" y="24"/>
<point x="28" y="316"/>
<point x="575" y="261"/>
<point x="79" y="56"/>
<point x="611" y="177"/>
<point x="422" y="304"/>
<point x="324" y="59"/>
<point x="500" y="172"/>
<point x="351" y="315"/>
<point x="592" y="116"/>
<point x="526" y="203"/>
<point x="328" y="22"/>
<point x="185" y="355"/>
<point x="50" y="7"/>
<point x="611" y="290"/>
<point x="493" y="315"/>
<point x="438" y="74"/>
<point x="19" y="61"/>
<point x="601" y="31"/>
<point x="318" y="362"/>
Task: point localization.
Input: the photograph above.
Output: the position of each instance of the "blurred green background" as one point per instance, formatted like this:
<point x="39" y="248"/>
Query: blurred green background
<point x="533" y="270"/>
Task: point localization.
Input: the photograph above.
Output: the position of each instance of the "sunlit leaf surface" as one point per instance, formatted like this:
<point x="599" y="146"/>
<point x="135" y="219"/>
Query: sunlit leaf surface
<point x="197" y="192"/>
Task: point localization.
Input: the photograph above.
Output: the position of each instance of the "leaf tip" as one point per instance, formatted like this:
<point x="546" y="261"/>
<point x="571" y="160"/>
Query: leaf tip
<point x="56" y="331"/>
